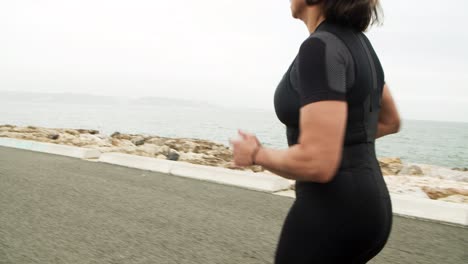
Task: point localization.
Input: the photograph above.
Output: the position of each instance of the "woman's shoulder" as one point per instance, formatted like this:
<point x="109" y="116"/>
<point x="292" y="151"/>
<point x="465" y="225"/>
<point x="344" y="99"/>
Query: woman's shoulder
<point x="327" y="41"/>
<point x="323" y="43"/>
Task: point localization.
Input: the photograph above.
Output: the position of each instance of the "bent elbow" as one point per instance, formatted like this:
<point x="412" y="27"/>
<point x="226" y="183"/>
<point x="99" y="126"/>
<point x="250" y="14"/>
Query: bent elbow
<point x="327" y="176"/>
<point x="397" y="126"/>
<point x="323" y="166"/>
<point x="322" y="175"/>
<point x="314" y="174"/>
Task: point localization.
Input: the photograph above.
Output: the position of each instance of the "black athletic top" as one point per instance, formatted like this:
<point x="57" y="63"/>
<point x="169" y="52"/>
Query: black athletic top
<point x="324" y="69"/>
<point x="349" y="219"/>
<point x="336" y="63"/>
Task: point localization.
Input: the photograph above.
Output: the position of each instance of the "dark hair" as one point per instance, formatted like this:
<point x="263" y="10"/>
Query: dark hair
<point x="358" y="14"/>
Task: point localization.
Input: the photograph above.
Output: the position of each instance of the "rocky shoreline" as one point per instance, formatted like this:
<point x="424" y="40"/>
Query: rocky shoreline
<point x="418" y="180"/>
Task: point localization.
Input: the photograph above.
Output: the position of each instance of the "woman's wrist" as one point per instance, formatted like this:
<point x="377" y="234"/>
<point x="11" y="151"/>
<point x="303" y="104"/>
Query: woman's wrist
<point x="254" y="154"/>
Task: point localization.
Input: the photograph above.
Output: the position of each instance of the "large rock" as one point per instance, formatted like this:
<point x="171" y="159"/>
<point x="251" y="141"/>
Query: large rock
<point x="155" y="140"/>
<point x="443" y="173"/>
<point x="147" y="150"/>
<point x="138" y="141"/>
<point x="437" y="193"/>
<point x="257" y="168"/>
<point x="163" y="150"/>
<point x="173" y="155"/>
<point x="406" y="185"/>
<point x="411" y="170"/>
<point x="117" y="135"/>
<point x="88" y="131"/>
<point x="161" y="156"/>
<point x="414" y="191"/>
<point x="72" y="132"/>
<point x="390" y="166"/>
<point x="53" y="136"/>
<point x="413" y="186"/>
<point x="457" y="198"/>
<point x="191" y="156"/>
<point x="460" y="169"/>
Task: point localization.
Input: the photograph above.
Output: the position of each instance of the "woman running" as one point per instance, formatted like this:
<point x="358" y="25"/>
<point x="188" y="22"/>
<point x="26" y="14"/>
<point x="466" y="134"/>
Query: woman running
<point x="334" y="103"/>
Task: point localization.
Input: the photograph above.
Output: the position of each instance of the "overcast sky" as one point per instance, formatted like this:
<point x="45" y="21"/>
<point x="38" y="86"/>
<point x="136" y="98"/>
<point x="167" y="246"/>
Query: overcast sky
<point x="231" y="52"/>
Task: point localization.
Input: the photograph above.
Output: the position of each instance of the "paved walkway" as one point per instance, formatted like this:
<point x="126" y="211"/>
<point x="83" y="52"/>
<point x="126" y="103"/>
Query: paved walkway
<point x="56" y="209"/>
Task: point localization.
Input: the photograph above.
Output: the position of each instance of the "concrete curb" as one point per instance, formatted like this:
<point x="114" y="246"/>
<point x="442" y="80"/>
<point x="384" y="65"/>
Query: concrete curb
<point x="137" y="162"/>
<point x="248" y="180"/>
<point x="64" y="150"/>
<point x="409" y="206"/>
<point x="430" y="209"/>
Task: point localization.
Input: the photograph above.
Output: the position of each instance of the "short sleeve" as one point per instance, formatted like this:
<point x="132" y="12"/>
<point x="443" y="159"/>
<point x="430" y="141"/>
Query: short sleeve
<point x="322" y="70"/>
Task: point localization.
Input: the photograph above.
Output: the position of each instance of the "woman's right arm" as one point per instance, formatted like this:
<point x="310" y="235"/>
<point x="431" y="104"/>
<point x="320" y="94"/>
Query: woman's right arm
<point x="389" y="119"/>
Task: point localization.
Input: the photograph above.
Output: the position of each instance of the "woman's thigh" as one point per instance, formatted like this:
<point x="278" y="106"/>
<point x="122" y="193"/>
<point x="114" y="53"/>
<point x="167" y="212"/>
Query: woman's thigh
<point x="304" y="238"/>
<point x="313" y="234"/>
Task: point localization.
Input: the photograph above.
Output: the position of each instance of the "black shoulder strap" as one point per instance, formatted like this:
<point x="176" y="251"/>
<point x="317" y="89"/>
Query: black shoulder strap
<point x="364" y="91"/>
<point x="363" y="86"/>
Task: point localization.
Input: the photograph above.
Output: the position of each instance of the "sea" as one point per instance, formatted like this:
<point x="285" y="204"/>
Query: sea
<point x="429" y="142"/>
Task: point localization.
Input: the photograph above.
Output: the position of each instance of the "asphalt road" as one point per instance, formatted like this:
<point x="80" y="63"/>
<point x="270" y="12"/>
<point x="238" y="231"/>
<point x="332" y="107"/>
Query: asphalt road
<point x="56" y="209"/>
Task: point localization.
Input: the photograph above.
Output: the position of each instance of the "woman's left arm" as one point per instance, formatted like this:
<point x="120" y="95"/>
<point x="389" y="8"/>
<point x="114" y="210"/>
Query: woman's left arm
<point x="322" y="88"/>
<point x="317" y="155"/>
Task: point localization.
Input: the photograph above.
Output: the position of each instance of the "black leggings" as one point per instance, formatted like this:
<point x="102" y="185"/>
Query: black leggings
<point x="347" y="220"/>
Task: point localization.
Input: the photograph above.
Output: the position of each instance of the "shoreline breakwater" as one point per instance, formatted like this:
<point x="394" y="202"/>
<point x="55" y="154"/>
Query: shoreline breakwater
<point x="413" y="179"/>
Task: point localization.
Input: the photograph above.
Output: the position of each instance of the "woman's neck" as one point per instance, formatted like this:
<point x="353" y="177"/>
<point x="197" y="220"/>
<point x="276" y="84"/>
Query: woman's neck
<point x="312" y="19"/>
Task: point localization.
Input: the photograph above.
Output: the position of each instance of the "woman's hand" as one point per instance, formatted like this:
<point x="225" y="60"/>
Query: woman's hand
<point x="244" y="148"/>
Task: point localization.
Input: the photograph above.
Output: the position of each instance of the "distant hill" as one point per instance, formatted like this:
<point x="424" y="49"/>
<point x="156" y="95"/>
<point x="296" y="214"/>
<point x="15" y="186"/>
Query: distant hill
<point x="71" y="98"/>
<point x="78" y="98"/>
<point x="169" y="101"/>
